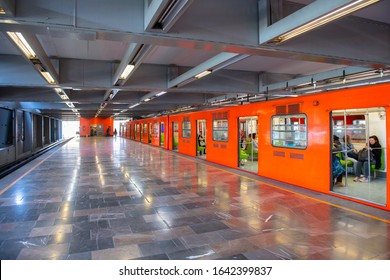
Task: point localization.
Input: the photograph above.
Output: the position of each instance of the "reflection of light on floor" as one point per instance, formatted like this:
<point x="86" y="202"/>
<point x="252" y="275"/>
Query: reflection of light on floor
<point x="66" y="211"/>
<point x="348" y="252"/>
<point x="100" y="170"/>
<point x="19" y="198"/>
<point x="149" y="198"/>
<point x="60" y="237"/>
<point x="345" y="224"/>
<point x="202" y="181"/>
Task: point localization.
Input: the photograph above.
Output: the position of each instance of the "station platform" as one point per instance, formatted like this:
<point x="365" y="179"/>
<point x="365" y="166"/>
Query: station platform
<point x="110" y="198"/>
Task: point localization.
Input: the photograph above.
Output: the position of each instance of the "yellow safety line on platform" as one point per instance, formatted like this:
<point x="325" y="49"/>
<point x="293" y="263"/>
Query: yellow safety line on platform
<point x="280" y="188"/>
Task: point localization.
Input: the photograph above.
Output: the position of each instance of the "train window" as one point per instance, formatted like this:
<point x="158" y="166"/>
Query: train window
<point x="289" y="131"/>
<point x="220" y="130"/>
<point x="186" y="129"/>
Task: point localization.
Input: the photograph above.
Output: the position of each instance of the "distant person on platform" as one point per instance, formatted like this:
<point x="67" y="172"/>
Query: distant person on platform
<point x="115" y="132"/>
<point x="108" y="131"/>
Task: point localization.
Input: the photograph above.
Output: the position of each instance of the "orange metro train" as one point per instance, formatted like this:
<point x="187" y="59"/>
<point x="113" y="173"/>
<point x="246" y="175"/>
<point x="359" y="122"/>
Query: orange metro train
<point x="287" y="139"/>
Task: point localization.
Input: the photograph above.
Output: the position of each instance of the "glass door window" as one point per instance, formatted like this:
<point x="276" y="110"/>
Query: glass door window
<point x="162" y="134"/>
<point x="247" y="144"/>
<point x="364" y="174"/>
<point x="175" y="136"/>
<point x="201" y="138"/>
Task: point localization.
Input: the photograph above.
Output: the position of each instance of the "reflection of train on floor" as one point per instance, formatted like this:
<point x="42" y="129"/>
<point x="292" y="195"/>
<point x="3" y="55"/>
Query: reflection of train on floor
<point x="294" y="138"/>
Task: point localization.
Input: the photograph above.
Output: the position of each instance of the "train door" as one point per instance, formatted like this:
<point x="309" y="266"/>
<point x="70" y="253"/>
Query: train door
<point x="247" y="144"/>
<point x="145" y="135"/>
<point x="162" y="134"/>
<point x="201" y="138"/>
<point x="363" y="174"/>
<point x="150" y="133"/>
<point x="175" y="136"/>
<point x="137" y="132"/>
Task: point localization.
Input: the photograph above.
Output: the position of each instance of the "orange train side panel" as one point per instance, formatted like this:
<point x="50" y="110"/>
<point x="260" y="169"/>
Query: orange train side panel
<point x="308" y="168"/>
<point x="144" y="132"/>
<point x="159" y="137"/>
<point x="181" y="141"/>
<point x="186" y="146"/>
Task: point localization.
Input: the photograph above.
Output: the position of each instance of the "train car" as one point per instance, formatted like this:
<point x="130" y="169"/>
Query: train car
<point x="156" y="131"/>
<point x="291" y="139"/>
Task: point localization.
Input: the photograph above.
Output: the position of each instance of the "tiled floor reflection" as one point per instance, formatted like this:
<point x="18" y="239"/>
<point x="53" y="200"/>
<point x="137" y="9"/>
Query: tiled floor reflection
<point x="111" y="198"/>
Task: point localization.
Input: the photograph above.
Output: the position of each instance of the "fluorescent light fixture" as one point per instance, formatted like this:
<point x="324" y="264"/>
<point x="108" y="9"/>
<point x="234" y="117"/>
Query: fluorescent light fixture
<point x="126" y="72"/>
<point x="147" y="99"/>
<point x="2" y="12"/>
<point x="70" y="104"/>
<point x="204" y="73"/>
<point x="22" y="44"/>
<point x="161" y="93"/>
<point x="285" y="95"/>
<point x="328" y="17"/>
<point x="134" y="105"/>
<point x="61" y="93"/>
<point x="48" y="77"/>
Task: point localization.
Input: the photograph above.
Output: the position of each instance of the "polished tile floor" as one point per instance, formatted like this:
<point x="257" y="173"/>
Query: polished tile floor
<point x="112" y="198"/>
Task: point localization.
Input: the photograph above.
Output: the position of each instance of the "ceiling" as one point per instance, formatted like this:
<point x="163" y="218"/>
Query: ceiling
<point x="86" y="44"/>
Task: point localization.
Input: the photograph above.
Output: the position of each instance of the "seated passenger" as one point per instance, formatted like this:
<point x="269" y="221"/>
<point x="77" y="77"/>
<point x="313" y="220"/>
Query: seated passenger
<point x="372" y="156"/>
<point x="248" y="140"/>
<point x="255" y="144"/>
<point x="352" y="153"/>
<point x="201" y="142"/>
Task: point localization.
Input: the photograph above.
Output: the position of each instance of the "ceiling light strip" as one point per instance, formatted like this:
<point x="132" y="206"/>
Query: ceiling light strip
<point x="328" y="17"/>
<point x="161" y="93"/>
<point x="61" y="93"/>
<point x="202" y="74"/>
<point x="134" y="105"/>
<point x="129" y="68"/>
<point x="22" y="44"/>
<point x="48" y="77"/>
